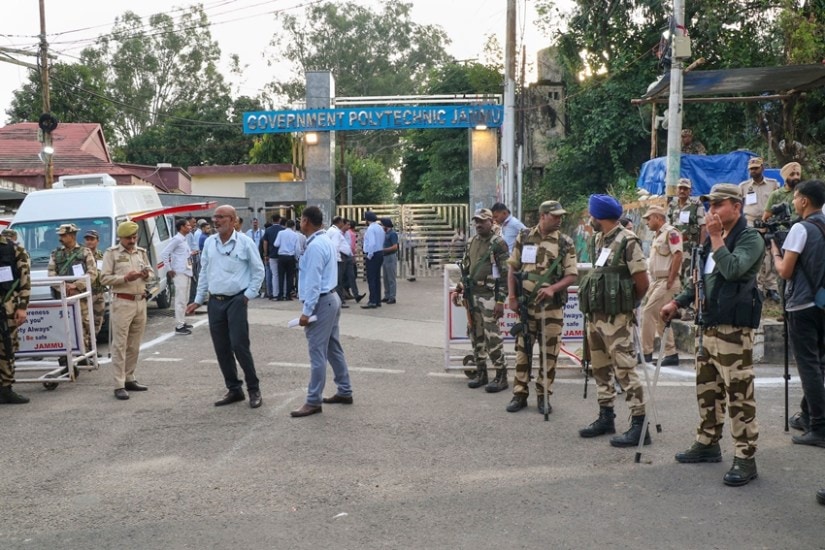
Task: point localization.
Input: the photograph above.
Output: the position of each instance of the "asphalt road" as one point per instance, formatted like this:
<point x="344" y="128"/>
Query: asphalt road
<point x="419" y="461"/>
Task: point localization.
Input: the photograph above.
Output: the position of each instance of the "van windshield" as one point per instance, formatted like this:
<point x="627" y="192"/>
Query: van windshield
<point x="40" y="238"/>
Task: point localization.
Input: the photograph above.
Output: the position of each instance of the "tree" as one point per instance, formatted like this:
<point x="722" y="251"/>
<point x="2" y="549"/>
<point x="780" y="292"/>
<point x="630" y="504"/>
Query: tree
<point x="76" y="93"/>
<point x="371" y="182"/>
<point x="155" y="70"/>
<point x="436" y="162"/>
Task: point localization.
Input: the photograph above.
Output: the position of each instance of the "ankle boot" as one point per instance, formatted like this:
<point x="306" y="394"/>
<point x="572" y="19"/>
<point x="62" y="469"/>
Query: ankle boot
<point x="9" y="397"/>
<point x="518" y="402"/>
<point x="631" y="437"/>
<point x="603" y="425"/>
<point x="480" y="379"/>
<point x="498" y="383"/>
<point x="741" y="473"/>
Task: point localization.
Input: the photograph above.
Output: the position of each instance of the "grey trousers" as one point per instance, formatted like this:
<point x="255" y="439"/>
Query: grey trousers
<point x="390" y="269"/>
<point x="324" y="345"/>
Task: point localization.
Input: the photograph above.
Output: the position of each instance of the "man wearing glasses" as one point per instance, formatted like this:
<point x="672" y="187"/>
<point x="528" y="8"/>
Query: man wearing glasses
<point x="231" y="274"/>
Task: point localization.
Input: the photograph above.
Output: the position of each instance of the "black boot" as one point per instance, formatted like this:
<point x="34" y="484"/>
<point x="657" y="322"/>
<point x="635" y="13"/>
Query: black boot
<point x="820" y="496"/>
<point x="603" y="425"/>
<point x="480" y="379"/>
<point x="800" y="421"/>
<point x="631" y="437"/>
<point x="699" y="452"/>
<point x="499" y="382"/>
<point x="518" y="402"/>
<point x="9" y="397"/>
<point x="741" y="473"/>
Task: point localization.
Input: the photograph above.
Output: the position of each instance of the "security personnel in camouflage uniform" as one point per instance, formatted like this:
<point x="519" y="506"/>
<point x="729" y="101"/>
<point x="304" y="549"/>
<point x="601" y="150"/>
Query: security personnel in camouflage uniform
<point x="608" y="295"/>
<point x="732" y="309"/>
<point x="688" y="216"/>
<point x="546" y="258"/>
<point x="692" y="146"/>
<point x="15" y="289"/>
<point x="755" y="192"/>
<point x="484" y="269"/>
<point x="69" y="260"/>
<point x="92" y="239"/>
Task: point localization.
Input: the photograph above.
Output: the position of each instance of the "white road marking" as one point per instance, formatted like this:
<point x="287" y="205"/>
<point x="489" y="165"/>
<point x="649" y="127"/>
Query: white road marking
<point x="164" y="359"/>
<point x="352" y="369"/>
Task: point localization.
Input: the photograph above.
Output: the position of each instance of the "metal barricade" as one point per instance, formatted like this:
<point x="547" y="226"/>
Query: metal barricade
<point x="54" y="330"/>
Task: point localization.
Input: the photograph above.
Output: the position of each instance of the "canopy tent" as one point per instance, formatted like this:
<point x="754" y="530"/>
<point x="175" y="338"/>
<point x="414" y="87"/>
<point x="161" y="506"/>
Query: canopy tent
<point x="786" y="80"/>
<point x="703" y="171"/>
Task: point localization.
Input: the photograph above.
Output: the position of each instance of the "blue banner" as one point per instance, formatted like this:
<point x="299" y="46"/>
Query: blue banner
<point x="373" y="118"/>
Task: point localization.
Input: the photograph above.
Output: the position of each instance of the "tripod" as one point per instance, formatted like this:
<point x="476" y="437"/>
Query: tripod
<point x="651" y="390"/>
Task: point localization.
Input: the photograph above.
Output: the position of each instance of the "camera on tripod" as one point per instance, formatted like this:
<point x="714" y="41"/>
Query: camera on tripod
<point x="777" y="226"/>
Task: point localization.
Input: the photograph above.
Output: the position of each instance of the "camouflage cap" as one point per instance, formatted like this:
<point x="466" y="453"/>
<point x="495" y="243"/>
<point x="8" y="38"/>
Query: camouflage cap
<point x="67" y="228"/>
<point x="9" y="234"/>
<point x="483" y="214"/>
<point x="684" y="182"/>
<point x="722" y="191"/>
<point x="687" y="132"/>
<point x="552" y="207"/>
<point x="654" y="210"/>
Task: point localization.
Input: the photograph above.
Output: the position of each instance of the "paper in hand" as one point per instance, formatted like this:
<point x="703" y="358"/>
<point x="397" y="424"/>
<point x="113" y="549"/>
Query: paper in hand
<point x="295" y="322"/>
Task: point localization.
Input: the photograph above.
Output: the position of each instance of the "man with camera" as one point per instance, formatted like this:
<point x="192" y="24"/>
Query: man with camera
<point x="803" y="266"/>
<point x="731" y="310"/>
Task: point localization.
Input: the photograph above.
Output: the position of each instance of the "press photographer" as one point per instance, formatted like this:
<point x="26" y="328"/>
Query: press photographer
<point x="803" y="266"/>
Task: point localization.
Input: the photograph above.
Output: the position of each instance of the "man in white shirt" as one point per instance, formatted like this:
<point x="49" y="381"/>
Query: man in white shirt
<point x="178" y="257"/>
<point x="344" y="256"/>
<point x="256" y="232"/>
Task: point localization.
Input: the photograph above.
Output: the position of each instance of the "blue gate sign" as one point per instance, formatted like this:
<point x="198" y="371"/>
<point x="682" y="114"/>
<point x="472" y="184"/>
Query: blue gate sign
<point x="373" y="118"/>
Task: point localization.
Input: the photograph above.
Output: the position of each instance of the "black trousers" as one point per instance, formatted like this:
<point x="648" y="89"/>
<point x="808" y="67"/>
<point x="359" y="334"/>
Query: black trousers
<point x="229" y="328"/>
<point x="374" y="277"/>
<point x="806" y="331"/>
<point x="286" y="275"/>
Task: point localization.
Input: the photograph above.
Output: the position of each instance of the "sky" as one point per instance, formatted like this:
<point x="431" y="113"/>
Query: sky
<point x="242" y="27"/>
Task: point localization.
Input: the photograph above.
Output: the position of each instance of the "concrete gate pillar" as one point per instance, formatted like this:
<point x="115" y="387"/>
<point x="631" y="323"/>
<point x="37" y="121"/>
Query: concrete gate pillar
<point x="320" y="158"/>
<point x="483" y="169"/>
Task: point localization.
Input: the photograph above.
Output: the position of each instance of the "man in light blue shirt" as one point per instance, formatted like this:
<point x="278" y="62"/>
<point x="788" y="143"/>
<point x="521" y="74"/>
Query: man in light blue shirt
<point x="231" y="273"/>
<point x="318" y="279"/>
<point x="288" y="243"/>
<point x="256" y="232"/>
<point x="510" y="225"/>
<point x="374" y="253"/>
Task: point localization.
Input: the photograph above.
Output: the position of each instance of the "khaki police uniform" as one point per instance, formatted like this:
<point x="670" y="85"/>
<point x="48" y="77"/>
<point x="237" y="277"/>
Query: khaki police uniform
<point x="66" y="262"/>
<point x="485" y="266"/>
<point x="688" y="219"/>
<point x="533" y="255"/>
<point x="15" y="297"/>
<point x="666" y="243"/>
<point x="756" y="197"/>
<point x="128" y="312"/>
<point x="610" y="335"/>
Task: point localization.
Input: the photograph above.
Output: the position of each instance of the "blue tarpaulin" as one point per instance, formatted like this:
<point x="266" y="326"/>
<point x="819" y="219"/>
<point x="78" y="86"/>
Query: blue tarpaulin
<point x="702" y="170"/>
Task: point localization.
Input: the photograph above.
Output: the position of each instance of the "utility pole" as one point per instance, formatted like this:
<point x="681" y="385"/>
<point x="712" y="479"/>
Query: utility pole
<point x="680" y="50"/>
<point x="508" y="142"/>
<point x="48" y="149"/>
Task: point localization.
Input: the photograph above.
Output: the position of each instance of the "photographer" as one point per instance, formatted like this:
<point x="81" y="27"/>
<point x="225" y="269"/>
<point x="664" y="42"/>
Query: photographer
<point x="805" y="248"/>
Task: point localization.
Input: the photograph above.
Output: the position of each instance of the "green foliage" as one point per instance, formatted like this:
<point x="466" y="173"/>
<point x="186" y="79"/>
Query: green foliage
<point x="371" y="182"/>
<point x="436" y="162"/>
<point x="75" y="90"/>
<point x="271" y="149"/>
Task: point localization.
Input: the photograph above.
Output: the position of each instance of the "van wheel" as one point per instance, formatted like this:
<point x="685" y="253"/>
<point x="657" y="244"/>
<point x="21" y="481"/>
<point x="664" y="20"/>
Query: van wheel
<point x="163" y="299"/>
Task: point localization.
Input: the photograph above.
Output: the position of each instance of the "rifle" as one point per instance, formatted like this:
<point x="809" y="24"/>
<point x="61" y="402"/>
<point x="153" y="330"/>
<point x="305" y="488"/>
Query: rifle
<point x="697" y="268"/>
<point x="467" y="294"/>
<point x="585" y="357"/>
<point x="522" y="327"/>
<point x="5" y="330"/>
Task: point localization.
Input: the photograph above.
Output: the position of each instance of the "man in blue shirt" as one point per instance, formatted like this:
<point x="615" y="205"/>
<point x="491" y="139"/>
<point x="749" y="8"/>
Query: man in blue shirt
<point x="510" y="225"/>
<point x="373" y="251"/>
<point x="318" y="277"/>
<point x="390" y="265"/>
<point x="288" y="244"/>
<point x="231" y="273"/>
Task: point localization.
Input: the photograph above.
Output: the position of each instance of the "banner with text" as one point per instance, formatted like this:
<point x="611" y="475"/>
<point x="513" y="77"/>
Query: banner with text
<point x="373" y="118"/>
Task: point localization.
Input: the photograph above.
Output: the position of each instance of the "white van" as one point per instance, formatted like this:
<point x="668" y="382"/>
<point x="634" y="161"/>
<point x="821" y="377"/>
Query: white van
<point x="92" y="201"/>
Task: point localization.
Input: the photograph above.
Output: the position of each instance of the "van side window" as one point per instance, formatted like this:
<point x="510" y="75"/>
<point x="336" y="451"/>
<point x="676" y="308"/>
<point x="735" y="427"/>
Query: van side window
<point x="162" y="224"/>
